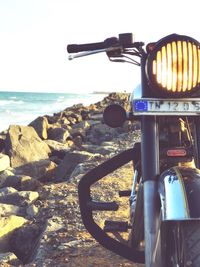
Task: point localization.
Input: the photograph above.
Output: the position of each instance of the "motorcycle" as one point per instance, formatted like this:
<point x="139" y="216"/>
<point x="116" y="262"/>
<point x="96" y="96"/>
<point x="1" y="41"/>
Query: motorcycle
<point x="164" y="226"/>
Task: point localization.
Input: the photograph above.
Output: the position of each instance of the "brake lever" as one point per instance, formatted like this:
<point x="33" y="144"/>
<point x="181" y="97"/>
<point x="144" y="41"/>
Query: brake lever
<point x="83" y="54"/>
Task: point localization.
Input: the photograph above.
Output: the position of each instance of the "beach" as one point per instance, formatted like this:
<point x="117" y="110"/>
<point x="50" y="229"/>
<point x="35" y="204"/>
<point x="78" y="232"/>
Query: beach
<point x="40" y="169"/>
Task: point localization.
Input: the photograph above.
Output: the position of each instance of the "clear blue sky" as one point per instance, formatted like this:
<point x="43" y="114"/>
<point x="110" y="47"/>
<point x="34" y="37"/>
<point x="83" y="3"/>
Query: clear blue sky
<point x="34" y="35"/>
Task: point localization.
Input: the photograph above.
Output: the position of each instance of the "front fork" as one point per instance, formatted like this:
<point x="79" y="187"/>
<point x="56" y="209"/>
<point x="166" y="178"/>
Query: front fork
<point x="150" y="172"/>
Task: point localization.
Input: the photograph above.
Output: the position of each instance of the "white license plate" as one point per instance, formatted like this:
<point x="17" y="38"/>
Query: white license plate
<point x="166" y="107"/>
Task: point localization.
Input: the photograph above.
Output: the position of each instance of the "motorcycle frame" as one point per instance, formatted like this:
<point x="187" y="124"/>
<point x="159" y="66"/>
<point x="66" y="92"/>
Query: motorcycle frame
<point x="148" y="153"/>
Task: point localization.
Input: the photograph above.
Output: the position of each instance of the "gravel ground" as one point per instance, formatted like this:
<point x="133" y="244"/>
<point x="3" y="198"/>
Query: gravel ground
<point x="65" y="241"/>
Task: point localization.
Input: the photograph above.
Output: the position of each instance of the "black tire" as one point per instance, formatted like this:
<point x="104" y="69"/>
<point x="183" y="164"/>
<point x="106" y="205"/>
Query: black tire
<point x="182" y="248"/>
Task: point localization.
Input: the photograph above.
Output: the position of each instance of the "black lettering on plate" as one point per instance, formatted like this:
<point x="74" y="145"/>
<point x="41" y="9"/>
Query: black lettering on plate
<point x="186" y="106"/>
<point x="151" y="105"/>
<point x="175" y="106"/>
<point x="157" y="105"/>
<point x="197" y="105"/>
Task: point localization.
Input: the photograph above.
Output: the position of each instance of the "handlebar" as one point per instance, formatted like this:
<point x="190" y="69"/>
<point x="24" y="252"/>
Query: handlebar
<point x="115" y="48"/>
<point x="124" y="40"/>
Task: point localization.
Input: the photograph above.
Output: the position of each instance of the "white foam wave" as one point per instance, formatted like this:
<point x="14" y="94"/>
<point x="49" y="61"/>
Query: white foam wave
<point x="11" y="102"/>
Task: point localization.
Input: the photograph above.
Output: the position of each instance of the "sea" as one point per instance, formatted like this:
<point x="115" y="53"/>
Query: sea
<point x="21" y="108"/>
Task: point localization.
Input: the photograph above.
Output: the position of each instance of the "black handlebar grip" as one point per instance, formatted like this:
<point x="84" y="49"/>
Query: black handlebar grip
<point x="75" y="48"/>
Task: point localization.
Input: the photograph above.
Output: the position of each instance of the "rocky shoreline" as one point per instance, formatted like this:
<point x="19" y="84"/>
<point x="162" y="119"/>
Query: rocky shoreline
<point x="40" y="167"/>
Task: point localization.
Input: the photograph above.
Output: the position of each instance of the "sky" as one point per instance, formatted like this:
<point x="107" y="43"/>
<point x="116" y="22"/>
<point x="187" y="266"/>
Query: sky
<point x="34" y="35"/>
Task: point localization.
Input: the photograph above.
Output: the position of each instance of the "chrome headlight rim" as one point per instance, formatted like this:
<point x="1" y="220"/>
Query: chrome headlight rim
<point x="156" y="88"/>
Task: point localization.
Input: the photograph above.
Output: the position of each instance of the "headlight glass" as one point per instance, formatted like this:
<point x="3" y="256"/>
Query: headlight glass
<point x="173" y="67"/>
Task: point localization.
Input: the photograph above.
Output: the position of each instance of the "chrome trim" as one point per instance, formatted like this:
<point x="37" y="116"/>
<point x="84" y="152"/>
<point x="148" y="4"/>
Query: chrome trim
<point x="173" y="207"/>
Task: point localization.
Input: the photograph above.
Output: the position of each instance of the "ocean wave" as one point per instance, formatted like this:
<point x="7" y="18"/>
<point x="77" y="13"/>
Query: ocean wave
<point x="21" y="109"/>
<point x="8" y="102"/>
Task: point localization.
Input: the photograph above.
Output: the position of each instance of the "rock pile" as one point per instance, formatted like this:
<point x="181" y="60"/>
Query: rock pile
<point x="52" y="149"/>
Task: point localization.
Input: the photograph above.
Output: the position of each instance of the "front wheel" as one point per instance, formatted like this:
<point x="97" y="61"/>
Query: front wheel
<point x="182" y="247"/>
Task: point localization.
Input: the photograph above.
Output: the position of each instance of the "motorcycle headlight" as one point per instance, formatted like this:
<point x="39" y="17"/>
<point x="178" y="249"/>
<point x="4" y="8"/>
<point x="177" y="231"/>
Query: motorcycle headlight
<point x="173" y="66"/>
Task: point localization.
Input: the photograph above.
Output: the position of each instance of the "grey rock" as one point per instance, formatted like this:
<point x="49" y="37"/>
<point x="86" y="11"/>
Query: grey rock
<point x="21" y="182"/>
<point x="22" y="198"/>
<point x="58" y="149"/>
<point x="104" y="150"/>
<point x="25" y="240"/>
<point x="64" y="121"/>
<point x="7" y="190"/>
<point x="78" y="140"/>
<point x="97" y="117"/>
<point x="92" y="122"/>
<point x="101" y="132"/>
<point x="7" y="226"/>
<point x="8" y="209"/>
<point x="41" y="126"/>
<point x="78" y="132"/>
<point x="4" y="174"/>
<point x="83" y="125"/>
<point x="42" y="170"/>
<point x="32" y="211"/>
<point x="29" y="184"/>
<point x="12" y="181"/>
<point x="58" y="134"/>
<point x="72" y="120"/>
<point x="81" y="169"/>
<point x="70" y="161"/>
<point x="9" y="258"/>
<point x="2" y="145"/>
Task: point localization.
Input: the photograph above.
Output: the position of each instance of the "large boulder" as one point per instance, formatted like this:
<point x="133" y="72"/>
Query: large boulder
<point x="23" y="145"/>
<point x="41" y="126"/>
